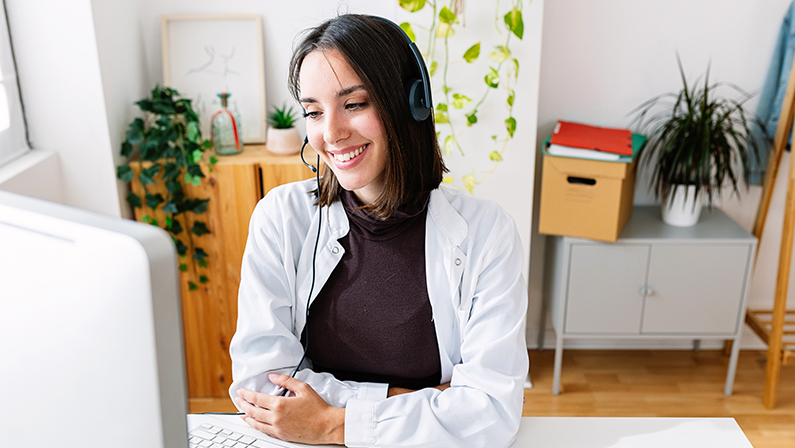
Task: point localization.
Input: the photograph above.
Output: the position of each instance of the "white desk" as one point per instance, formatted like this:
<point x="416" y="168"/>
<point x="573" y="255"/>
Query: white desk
<point x="584" y="432"/>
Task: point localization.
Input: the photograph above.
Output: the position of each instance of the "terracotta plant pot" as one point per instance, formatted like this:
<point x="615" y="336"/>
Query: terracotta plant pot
<point x="283" y="141"/>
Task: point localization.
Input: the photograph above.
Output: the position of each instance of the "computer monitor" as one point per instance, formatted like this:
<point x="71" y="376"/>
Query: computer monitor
<point x="90" y="330"/>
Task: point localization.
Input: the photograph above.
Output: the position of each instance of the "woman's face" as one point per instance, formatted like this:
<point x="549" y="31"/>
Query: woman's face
<point x="342" y="124"/>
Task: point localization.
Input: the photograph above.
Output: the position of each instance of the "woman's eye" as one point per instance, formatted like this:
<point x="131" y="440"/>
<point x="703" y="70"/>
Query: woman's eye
<point x="311" y="115"/>
<point x="355" y="106"/>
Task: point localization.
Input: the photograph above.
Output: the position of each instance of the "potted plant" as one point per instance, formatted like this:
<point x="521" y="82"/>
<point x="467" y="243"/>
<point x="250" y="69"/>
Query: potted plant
<point x="283" y="137"/>
<point x="169" y="149"/>
<point x="698" y="140"/>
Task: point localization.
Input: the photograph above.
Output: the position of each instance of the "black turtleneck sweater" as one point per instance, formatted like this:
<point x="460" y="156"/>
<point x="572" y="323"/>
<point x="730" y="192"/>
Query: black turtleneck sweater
<point x="372" y="321"/>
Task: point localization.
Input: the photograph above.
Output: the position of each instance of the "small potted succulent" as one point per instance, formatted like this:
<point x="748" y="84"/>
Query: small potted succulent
<point x="698" y="142"/>
<point x="283" y="137"/>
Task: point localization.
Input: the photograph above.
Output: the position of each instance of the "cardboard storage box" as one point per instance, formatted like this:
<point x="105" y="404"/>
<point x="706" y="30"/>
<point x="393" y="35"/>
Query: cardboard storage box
<point x="586" y="198"/>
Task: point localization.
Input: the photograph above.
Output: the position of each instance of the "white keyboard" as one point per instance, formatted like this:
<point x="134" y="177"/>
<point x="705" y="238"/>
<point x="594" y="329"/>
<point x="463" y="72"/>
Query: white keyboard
<point x="211" y="436"/>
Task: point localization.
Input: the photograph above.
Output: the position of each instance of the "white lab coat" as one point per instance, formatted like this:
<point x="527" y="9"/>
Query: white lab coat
<point x="479" y="301"/>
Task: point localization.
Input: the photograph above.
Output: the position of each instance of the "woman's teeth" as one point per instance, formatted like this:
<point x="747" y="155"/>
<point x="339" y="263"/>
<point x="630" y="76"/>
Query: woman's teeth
<point x="350" y="155"/>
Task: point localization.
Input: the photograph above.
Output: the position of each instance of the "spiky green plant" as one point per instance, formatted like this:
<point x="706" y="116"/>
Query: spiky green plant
<point x="698" y="138"/>
<point x="282" y="117"/>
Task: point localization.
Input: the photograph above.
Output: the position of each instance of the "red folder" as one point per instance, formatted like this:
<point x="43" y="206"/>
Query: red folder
<point x="575" y="135"/>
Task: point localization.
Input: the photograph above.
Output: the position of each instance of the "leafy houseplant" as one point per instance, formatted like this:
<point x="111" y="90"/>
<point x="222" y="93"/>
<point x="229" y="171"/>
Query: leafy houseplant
<point x="169" y="147"/>
<point x="283" y="137"/>
<point x="697" y="142"/>
<point x="458" y="111"/>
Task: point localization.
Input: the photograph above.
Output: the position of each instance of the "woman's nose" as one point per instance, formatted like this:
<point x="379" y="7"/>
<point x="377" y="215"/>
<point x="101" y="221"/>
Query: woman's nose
<point x="337" y="128"/>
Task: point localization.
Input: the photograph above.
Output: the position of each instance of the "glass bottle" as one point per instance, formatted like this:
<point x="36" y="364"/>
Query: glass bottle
<point x="227" y="138"/>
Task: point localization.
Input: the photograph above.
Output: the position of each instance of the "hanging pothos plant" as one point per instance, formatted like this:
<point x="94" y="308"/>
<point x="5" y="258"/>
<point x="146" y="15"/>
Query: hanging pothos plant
<point x="169" y="138"/>
<point x="455" y="106"/>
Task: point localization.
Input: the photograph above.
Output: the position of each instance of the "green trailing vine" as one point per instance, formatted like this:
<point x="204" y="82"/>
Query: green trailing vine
<point x="454" y="106"/>
<point x="169" y="138"/>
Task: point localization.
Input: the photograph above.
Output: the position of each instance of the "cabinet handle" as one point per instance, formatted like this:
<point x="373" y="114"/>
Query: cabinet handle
<point x="646" y="290"/>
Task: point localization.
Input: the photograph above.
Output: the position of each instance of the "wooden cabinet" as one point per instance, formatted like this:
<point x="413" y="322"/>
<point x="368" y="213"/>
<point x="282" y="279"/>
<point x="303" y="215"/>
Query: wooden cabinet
<point x="656" y="281"/>
<point x="234" y="187"/>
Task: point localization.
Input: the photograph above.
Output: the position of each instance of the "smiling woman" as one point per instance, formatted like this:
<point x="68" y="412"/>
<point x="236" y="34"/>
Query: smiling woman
<point x="415" y="333"/>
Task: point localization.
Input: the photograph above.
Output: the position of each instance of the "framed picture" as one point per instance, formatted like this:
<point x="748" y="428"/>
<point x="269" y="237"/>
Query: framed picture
<point x="204" y="55"/>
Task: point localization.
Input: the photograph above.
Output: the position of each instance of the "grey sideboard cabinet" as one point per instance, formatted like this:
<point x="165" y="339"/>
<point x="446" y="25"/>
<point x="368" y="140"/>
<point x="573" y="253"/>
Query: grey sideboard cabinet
<point x="656" y="282"/>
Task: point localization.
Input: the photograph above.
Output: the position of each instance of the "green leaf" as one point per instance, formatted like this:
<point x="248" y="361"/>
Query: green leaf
<point x="134" y="200"/>
<point x="196" y="181"/>
<point x="492" y="78"/>
<point x="197" y="206"/>
<point x="472" y="53"/>
<point x="192" y="286"/>
<point x="199" y="228"/>
<point x="199" y="254"/>
<point x="213" y="160"/>
<point x="153" y="200"/>
<point x="448" y="145"/>
<point x="125" y="173"/>
<point x="173" y="186"/>
<point x="135" y="135"/>
<point x="406" y="27"/>
<point x="447" y="180"/>
<point x="412" y="5"/>
<point x="459" y="100"/>
<point x="495" y="156"/>
<point x="501" y="53"/>
<point x="170" y="171"/>
<point x="446" y="89"/>
<point x="207" y="145"/>
<point x="183" y="267"/>
<point x="434" y="66"/>
<point x="188" y="178"/>
<point x="444" y="30"/>
<point x="510" y="125"/>
<point x="472" y="118"/>
<point x="176" y="227"/>
<point x="147" y="176"/>
<point x="511" y="97"/>
<point x="182" y="249"/>
<point x="154" y="222"/>
<point x="202" y="263"/>
<point x="169" y="222"/>
<point x="447" y="16"/>
<point x="203" y="279"/>
<point x="196" y="155"/>
<point x="469" y="182"/>
<point x="440" y="118"/>
<point x="515" y="68"/>
<point x="193" y="131"/>
<point x="126" y="149"/>
<point x="494" y="137"/>
<point x="441" y="107"/>
<point x="514" y="22"/>
<point x="195" y="170"/>
<point x="145" y="218"/>
<point x="170" y="207"/>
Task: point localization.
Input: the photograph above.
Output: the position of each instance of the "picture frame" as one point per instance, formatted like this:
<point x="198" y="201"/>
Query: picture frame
<point x="204" y="55"/>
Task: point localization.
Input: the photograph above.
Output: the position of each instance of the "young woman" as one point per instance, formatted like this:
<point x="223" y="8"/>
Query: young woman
<point x="415" y="332"/>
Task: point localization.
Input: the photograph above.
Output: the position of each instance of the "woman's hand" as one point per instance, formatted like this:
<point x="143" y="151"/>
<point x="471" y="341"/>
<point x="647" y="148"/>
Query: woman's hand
<point x="392" y="391"/>
<point x="304" y="418"/>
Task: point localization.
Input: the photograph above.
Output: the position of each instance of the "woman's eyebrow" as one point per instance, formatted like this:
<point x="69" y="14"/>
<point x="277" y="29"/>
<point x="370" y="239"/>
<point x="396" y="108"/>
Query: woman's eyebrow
<point x="340" y="94"/>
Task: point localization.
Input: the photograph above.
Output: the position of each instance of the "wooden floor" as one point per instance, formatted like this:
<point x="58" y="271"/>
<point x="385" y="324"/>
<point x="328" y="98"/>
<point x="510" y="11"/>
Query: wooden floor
<point x="650" y="383"/>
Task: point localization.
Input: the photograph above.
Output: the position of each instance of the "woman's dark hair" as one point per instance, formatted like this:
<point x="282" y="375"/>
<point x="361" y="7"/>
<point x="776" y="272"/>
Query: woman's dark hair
<point x="381" y="57"/>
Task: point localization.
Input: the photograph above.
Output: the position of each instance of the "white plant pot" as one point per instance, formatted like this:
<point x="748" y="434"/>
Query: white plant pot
<point x="684" y="209"/>
<point x="283" y="141"/>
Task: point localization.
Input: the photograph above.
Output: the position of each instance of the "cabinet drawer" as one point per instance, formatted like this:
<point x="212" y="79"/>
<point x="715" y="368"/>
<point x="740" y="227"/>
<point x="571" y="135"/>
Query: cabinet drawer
<point x="603" y="288"/>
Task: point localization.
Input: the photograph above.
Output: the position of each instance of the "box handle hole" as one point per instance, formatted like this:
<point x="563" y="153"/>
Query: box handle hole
<point x="581" y="180"/>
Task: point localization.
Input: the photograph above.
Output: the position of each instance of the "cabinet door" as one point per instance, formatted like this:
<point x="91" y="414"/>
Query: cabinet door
<point x="604" y="288"/>
<point x="697" y="289"/>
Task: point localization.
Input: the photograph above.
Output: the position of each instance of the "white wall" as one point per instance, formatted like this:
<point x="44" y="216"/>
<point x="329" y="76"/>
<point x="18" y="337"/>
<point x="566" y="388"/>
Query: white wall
<point x="56" y="53"/>
<point x="602" y="59"/>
